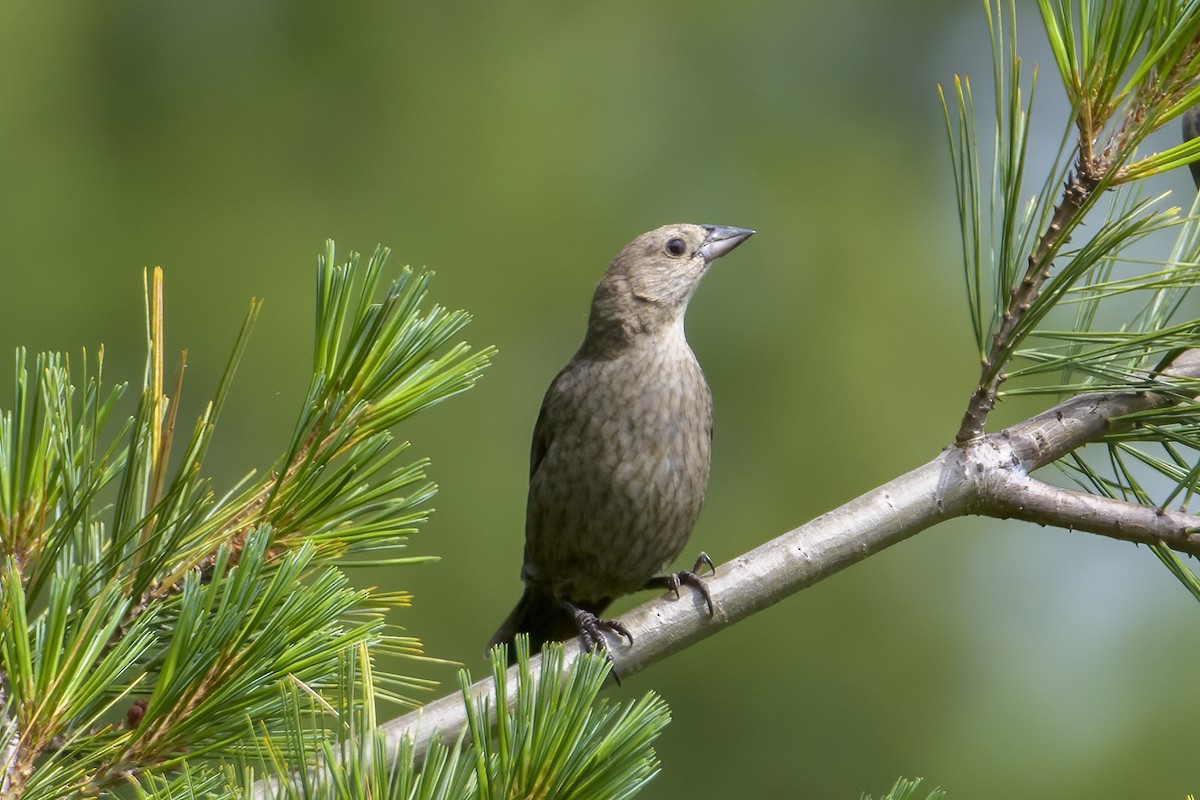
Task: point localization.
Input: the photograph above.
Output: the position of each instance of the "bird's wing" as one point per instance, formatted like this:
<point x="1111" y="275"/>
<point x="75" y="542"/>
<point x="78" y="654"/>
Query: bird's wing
<point x="541" y="440"/>
<point x="544" y="431"/>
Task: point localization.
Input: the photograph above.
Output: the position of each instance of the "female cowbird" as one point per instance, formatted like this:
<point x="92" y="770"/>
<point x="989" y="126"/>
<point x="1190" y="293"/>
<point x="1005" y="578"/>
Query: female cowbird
<point x="621" y="447"/>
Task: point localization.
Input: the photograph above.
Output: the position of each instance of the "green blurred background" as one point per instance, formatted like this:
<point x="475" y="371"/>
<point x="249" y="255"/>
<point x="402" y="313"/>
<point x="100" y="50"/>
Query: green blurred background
<point x="515" y="148"/>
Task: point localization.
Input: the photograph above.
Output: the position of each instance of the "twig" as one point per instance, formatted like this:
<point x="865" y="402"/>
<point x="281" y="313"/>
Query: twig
<point x="988" y="476"/>
<point x="1075" y="193"/>
<point x="1021" y="497"/>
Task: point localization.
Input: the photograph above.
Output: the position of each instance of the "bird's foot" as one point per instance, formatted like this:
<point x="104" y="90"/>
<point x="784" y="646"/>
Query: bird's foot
<point x="688" y="577"/>
<point x="591" y="634"/>
<point x="592" y="628"/>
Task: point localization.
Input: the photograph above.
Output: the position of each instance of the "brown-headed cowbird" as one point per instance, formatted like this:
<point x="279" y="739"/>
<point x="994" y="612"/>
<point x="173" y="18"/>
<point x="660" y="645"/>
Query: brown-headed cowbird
<point x="621" y="448"/>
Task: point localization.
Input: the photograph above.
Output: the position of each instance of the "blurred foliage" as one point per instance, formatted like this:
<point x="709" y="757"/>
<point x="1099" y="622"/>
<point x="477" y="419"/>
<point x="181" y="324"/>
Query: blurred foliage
<point x="515" y="150"/>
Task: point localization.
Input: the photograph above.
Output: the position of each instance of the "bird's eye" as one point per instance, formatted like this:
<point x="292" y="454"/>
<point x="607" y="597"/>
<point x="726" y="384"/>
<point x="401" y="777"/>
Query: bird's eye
<point x="677" y="247"/>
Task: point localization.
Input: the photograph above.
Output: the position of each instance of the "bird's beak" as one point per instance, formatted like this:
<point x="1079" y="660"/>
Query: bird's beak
<point x="721" y="239"/>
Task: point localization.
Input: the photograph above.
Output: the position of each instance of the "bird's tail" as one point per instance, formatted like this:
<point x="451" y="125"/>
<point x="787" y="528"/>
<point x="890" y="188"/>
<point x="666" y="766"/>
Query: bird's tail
<point x="541" y="616"/>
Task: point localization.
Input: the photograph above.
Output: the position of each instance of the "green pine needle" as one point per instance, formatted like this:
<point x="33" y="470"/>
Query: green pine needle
<point x="905" y="789"/>
<point x="145" y="618"/>
<point x="557" y="740"/>
<point x="553" y="738"/>
<point x="1057" y="300"/>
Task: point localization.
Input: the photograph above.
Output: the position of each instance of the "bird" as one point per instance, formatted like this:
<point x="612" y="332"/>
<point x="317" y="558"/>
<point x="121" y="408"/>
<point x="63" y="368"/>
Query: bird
<point x="621" y="449"/>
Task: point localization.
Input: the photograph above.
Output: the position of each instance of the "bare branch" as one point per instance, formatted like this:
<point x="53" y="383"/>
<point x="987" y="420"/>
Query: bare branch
<point x="1020" y="497"/>
<point x="987" y="476"/>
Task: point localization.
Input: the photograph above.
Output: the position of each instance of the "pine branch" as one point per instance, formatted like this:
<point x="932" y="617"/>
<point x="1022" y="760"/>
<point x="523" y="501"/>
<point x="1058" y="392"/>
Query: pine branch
<point x="1127" y="69"/>
<point x="1019" y="497"/>
<point x="551" y="737"/>
<point x="1021" y="299"/>
<point x="988" y="476"/>
<point x="904" y="789"/>
<point x="138" y="634"/>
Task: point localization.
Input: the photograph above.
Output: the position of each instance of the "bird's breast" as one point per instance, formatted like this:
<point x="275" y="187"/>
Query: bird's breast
<point x="624" y="469"/>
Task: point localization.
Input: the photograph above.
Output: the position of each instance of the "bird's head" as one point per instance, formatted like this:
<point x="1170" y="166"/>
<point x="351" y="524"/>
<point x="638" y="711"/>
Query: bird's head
<point x="648" y="285"/>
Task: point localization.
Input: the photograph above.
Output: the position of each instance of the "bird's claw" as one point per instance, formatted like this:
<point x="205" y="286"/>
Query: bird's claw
<point x="688" y="577"/>
<point x="591" y="634"/>
<point x="591" y="630"/>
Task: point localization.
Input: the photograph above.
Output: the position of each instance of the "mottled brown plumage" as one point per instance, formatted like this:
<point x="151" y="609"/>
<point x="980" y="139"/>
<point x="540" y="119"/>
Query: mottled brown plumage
<point x="621" y="448"/>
